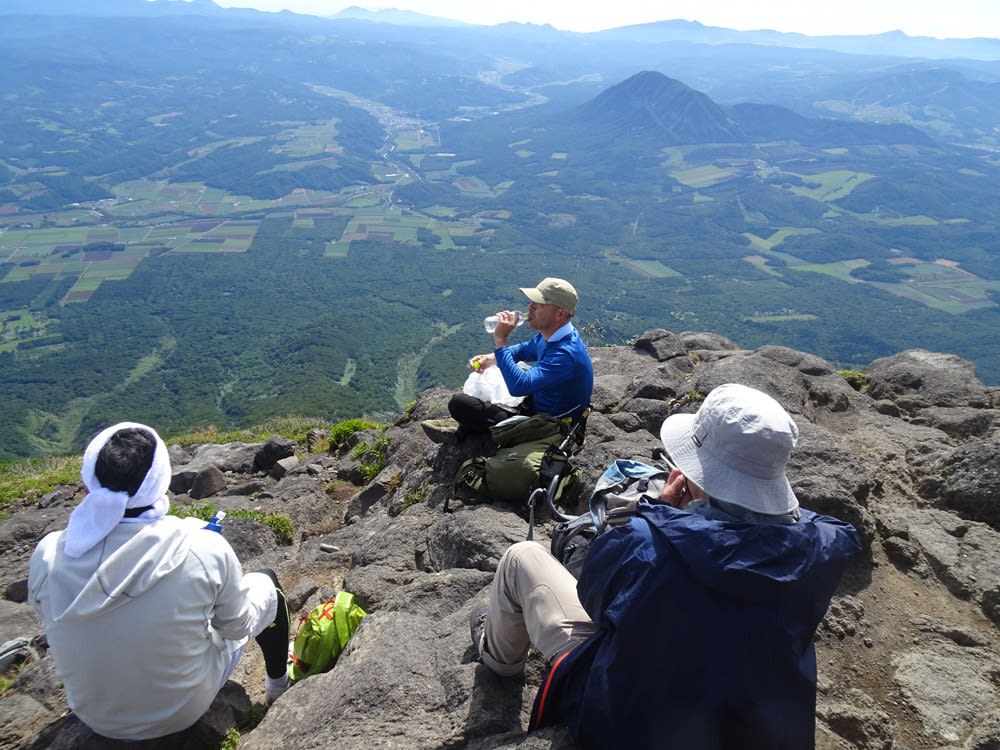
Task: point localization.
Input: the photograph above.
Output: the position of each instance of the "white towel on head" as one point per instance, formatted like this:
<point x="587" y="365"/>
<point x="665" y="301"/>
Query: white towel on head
<point x="102" y="509"/>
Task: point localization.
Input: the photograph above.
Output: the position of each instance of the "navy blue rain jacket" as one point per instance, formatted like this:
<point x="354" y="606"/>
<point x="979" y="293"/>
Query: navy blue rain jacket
<point x="705" y="638"/>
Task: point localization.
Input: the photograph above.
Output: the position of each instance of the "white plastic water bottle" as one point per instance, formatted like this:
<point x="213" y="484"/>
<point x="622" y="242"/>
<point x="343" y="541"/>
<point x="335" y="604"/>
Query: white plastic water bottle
<point x="490" y="324"/>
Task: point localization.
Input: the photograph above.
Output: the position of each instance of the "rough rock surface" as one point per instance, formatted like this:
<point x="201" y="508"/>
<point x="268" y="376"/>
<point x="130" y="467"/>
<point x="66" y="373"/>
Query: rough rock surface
<point x="908" y="653"/>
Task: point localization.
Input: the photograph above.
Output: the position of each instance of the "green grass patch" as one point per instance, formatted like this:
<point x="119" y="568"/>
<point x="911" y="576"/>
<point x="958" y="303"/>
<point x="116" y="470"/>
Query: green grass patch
<point x="290" y="427"/>
<point x="151" y="361"/>
<point x="761" y="263"/>
<point x="20" y="326"/>
<point x="474" y="186"/>
<point x="413" y="497"/>
<point x="779" y="317"/>
<point x="917" y="220"/>
<point x="701" y="177"/>
<point x="856" y="379"/>
<point x="340" y="432"/>
<point x="654" y="269"/>
<point x="758" y="242"/>
<point x="416" y="140"/>
<point x="310" y="139"/>
<point x="839" y="270"/>
<point x="350" y="368"/>
<point x="33" y="477"/>
<point x="783" y="234"/>
<point x="87" y="284"/>
<point x="955" y="297"/>
<point x="830" y="186"/>
<point x="371" y="456"/>
<point x="282" y="526"/>
<point x="232" y="739"/>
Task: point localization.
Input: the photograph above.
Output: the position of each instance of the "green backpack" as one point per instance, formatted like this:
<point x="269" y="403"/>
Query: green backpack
<point x="515" y="470"/>
<point x="322" y="635"/>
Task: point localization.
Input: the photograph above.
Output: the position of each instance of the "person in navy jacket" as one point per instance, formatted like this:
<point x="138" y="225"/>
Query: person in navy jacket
<point x="692" y="626"/>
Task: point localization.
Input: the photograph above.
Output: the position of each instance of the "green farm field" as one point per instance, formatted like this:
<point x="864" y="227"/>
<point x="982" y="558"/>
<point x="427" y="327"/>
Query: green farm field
<point x="941" y="285"/>
<point x="944" y="286"/>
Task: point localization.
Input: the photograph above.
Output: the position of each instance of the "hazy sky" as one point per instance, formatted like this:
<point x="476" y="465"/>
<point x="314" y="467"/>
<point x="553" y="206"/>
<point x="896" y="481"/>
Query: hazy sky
<point x="938" y="18"/>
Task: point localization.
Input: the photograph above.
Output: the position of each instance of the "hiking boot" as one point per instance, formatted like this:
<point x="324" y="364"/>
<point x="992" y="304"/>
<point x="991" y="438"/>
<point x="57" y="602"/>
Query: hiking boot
<point x="477" y="629"/>
<point x="442" y="430"/>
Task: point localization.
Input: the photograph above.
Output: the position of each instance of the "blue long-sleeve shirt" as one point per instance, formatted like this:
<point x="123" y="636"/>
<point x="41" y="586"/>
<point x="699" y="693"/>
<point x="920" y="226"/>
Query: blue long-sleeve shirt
<point x="562" y="380"/>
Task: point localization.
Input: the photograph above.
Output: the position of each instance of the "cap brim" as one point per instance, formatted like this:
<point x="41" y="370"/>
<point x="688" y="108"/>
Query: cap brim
<point x="533" y="294"/>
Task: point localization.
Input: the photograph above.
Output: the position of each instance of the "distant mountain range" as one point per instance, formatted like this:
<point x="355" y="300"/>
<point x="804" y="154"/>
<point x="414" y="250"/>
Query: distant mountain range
<point x="114" y="8"/>
<point x="893" y="43"/>
<point x="395" y="16"/>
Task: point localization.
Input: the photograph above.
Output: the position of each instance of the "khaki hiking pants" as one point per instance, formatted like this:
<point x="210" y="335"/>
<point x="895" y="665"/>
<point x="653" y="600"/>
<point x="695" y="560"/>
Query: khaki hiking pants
<point x="533" y="602"/>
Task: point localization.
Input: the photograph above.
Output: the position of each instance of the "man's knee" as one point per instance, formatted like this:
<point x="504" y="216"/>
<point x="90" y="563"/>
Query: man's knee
<point x="465" y="408"/>
<point x="521" y="553"/>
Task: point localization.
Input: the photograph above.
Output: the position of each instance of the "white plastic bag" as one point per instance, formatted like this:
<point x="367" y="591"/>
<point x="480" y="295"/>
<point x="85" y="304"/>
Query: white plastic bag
<point x="488" y="385"/>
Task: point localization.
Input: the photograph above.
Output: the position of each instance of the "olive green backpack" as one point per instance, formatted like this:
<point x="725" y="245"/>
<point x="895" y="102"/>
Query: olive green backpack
<point x="515" y="471"/>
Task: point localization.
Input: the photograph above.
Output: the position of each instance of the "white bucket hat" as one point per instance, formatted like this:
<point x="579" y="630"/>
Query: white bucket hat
<point x="735" y="448"/>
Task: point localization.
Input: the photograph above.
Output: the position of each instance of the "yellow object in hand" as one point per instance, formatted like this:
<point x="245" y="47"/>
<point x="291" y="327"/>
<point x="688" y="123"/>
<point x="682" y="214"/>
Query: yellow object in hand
<point x="476" y="365"/>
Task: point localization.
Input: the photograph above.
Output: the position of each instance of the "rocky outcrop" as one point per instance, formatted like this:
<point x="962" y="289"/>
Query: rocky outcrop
<point x="908" y="653"/>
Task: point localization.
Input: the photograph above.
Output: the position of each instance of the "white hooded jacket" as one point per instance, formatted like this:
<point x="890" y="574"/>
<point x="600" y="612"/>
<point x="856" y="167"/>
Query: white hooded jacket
<point x="138" y="624"/>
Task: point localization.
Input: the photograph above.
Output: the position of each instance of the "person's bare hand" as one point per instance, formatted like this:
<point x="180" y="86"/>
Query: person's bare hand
<point x="675" y="491"/>
<point x="506" y="322"/>
<point x="482" y="362"/>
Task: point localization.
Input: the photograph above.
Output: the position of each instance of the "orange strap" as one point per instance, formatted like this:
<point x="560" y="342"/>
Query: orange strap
<point x="545" y="688"/>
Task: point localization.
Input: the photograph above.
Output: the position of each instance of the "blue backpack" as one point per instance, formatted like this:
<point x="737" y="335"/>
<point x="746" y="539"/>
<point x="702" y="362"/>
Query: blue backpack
<point x="613" y="502"/>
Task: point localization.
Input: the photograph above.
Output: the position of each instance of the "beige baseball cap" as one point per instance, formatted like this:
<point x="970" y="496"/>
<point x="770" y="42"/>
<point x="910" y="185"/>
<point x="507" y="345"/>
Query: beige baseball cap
<point x="551" y="291"/>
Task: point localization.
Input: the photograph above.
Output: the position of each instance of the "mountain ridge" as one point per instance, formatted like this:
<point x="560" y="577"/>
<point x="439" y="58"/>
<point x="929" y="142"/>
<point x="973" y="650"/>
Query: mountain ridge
<point x="886" y="43"/>
<point x="111" y="8"/>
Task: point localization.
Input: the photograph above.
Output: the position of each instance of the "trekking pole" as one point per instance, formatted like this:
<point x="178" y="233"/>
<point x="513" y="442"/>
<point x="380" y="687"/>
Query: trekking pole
<point x="563" y="452"/>
<point x="532" y="499"/>
<point x="549" y="492"/>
